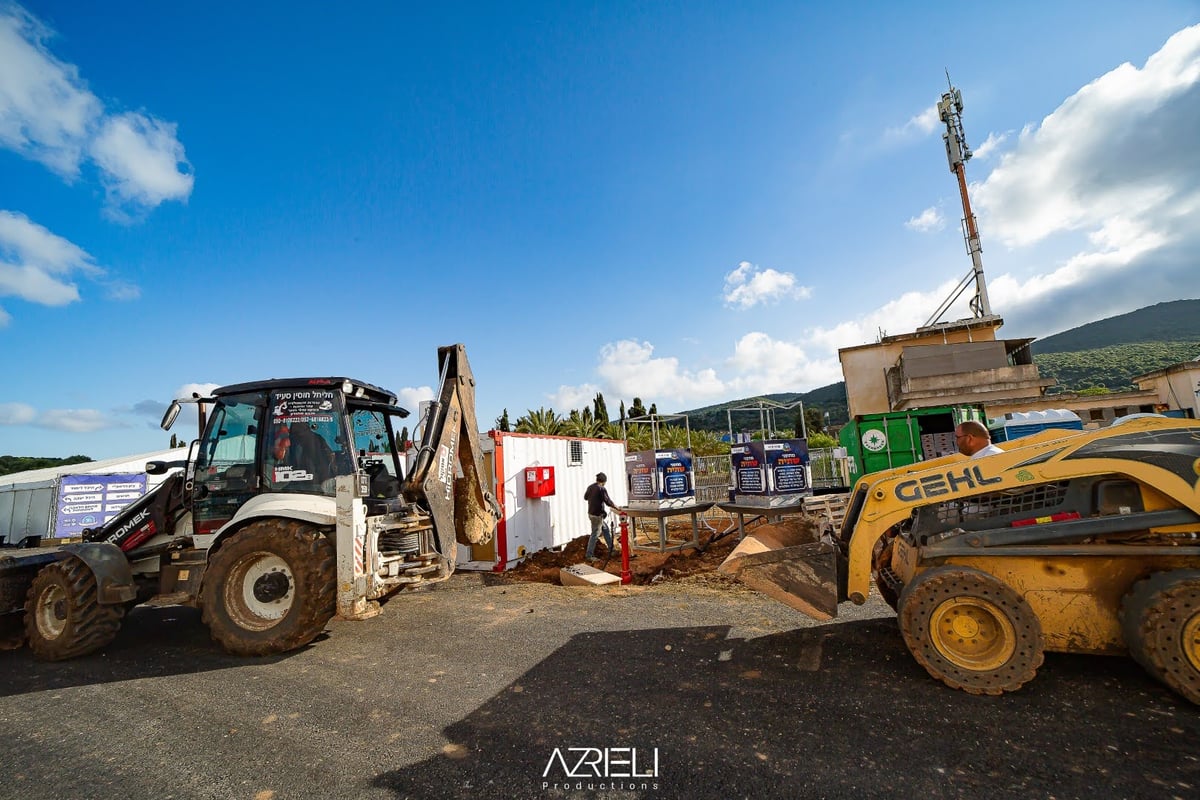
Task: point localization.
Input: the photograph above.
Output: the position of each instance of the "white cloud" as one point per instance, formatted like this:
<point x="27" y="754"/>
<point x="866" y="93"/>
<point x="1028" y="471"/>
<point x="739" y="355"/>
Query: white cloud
<point x="143" y="163"/>
<point x="921" y="124"/>
<point x="629" y="368"/>
<point x="747" y="286"/>
<point x="989" y="146"/>
<point x="410" y="398"/>
<point x="764" y="365"/>
<point x="46" y="110"/>
<point x="16" y="414"/>
<point x="568" y="397"/>
<point x="1115" y="165"/>
<point x="36" y="265"/>
<point x="77" y="420"/>
<point x="930" y="219"/>
<point x="48" y="115"/>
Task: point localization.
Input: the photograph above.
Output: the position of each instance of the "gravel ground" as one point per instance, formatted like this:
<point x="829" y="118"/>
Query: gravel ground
<point x="470" y="689"/>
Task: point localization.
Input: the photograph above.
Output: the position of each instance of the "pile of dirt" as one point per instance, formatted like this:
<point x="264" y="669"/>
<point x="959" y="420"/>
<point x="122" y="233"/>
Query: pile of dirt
<point x="645" y="566"/>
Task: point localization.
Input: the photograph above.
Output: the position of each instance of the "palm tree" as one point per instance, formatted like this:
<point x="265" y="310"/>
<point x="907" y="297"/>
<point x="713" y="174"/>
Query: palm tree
<point x="583" y="425"/>
<point x="543" y="421"/>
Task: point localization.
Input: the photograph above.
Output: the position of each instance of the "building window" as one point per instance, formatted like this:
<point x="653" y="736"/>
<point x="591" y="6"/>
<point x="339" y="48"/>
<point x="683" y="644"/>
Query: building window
<point x="1096" y="414"/>
<point x="575" y="453"/>
<point x="1120" y="411"/>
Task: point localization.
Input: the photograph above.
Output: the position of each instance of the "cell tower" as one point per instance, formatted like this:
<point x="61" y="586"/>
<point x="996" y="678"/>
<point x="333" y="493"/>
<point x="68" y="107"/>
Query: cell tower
<point x="958" y="154"/>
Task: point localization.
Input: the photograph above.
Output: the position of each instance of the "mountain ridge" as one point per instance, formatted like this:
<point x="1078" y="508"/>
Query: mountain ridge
<point x="1105" y="353"/>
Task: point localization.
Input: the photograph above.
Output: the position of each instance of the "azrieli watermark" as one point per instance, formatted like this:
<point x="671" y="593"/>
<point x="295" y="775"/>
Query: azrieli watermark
<point x="601" y="768"/>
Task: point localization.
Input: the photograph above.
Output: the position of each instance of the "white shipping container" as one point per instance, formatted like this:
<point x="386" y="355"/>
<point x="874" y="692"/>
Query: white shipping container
<point x="531" y="524"/>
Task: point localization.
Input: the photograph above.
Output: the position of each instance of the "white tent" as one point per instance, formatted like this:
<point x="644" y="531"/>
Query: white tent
<point x="32" y="501"/>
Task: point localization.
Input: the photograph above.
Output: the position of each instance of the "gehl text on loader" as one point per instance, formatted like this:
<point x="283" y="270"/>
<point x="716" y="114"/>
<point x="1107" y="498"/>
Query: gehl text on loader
<point x="294" y="503"/>
<point x="1069" y="542"/>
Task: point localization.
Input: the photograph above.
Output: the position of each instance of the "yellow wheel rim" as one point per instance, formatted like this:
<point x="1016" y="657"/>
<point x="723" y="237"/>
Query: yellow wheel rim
<point x="973" y="633"/>
<point x="1190" y="641"/>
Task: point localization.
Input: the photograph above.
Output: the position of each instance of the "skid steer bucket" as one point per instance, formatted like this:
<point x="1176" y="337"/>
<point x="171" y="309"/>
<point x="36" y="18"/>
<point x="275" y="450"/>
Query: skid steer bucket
<point x="788" y="566"/>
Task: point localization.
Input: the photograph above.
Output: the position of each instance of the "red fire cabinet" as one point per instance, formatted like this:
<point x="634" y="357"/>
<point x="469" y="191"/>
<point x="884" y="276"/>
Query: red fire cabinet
<point x="539" y="481"/>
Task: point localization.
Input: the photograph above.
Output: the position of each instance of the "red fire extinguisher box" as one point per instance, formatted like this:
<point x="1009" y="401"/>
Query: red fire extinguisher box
<point x="539" y="481"/>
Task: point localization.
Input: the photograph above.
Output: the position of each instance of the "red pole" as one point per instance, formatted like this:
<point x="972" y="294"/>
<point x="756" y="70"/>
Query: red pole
<point x="626" y="575"/>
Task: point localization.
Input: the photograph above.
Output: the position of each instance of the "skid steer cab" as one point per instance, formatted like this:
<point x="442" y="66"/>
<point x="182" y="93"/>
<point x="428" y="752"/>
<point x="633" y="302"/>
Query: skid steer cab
<point x="1069" y="542"/>
<point x="301" y="498"/>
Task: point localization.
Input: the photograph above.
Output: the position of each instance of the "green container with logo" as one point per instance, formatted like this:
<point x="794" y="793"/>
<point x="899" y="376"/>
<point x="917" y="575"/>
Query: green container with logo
<point x="876" y="442"/>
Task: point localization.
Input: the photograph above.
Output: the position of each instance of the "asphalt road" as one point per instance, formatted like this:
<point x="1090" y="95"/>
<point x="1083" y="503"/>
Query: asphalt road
<point x="478" y="691"/>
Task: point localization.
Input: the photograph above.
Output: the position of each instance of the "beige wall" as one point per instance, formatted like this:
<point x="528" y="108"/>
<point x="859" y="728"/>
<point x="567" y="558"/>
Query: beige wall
<point x="864" y="366"/>
<point x="1175" y="388"/>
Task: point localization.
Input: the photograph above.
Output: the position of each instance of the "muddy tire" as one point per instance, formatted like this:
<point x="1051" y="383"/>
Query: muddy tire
<point x="1160" y="619"/>
<point x="63" y="615"/>
<point x="971" y="631"/>
<point x="270" y="588"/>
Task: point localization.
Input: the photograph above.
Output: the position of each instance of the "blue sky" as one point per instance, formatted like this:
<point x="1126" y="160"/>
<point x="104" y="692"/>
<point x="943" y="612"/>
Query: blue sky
<point x="687" y="202"/>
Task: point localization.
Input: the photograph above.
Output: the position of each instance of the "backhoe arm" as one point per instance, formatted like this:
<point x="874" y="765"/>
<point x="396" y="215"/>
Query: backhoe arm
<point x="448" y="474"/>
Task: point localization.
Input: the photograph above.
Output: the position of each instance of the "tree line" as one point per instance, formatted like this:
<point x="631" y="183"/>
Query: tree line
<point x="636" y="425"/>
<point x="13" y="464"/>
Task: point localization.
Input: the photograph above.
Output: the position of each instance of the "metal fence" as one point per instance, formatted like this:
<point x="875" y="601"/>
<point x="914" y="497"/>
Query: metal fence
<point x="712" y="478"/>
<point x="828" y="469"/>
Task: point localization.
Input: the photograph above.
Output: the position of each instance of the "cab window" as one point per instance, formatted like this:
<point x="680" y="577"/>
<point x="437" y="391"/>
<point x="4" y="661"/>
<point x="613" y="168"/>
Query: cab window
<point x="306" y="448"/>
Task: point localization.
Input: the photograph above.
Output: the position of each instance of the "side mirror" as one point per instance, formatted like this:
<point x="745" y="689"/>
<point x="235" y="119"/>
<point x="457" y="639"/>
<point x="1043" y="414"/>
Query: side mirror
<point x="169" y="417"/>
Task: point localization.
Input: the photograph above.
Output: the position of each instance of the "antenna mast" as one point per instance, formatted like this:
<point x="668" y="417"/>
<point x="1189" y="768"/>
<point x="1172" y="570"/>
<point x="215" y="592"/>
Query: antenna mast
<point x="958" y="154"/>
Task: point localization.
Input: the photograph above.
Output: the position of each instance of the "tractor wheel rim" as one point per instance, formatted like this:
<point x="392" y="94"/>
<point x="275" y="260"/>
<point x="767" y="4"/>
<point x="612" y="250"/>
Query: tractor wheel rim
<point x="972" y="633"/>
<point x="1189" y="640"/>
<point x="52" y="612"/>
<point x="260" y="591"/>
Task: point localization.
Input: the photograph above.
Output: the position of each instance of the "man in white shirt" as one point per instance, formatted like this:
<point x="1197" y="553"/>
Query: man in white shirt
<point x="974" y="440"/>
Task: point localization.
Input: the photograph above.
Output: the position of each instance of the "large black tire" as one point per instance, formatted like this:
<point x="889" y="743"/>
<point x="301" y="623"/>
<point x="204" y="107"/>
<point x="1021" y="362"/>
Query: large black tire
<point x="970" y="630"/>
<point x="1160" y="619"/>
<point x="270" y="588"/>
<point x="63" y="616"/>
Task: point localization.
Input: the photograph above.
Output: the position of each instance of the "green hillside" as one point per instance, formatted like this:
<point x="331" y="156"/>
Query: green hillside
<point x="1112" y="367"/>
<point x="831" y="399"/>
<point x="1107" y="353"/>
<point x="1173" y="322"/>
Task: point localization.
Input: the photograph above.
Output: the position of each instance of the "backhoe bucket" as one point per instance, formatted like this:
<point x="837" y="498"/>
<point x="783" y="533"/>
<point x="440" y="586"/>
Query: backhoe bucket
<point x="787" y="566"/>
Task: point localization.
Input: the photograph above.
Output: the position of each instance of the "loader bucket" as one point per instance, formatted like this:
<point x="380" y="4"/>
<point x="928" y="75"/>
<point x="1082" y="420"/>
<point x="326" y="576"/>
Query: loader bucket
<point x="788" y="566"/>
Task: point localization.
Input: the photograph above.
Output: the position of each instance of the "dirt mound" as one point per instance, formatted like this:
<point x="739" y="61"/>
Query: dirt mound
<point x="646" y="566"/>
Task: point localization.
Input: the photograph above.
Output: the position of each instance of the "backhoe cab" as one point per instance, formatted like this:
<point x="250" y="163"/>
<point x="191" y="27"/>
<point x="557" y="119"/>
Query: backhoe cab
<point x="1069" y="542"/>
<point x="295" y="502"/>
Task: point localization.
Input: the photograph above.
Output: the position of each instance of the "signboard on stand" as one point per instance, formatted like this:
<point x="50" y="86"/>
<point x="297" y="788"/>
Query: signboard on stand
<point x="85" y="501"/>
<point x="771" y="472"/>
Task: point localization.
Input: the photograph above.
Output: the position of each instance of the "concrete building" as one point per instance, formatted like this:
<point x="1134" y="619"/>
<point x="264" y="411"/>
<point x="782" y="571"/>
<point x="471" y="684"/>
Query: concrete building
<point x="1176" y="387"/>
<point x="964" y="363"/>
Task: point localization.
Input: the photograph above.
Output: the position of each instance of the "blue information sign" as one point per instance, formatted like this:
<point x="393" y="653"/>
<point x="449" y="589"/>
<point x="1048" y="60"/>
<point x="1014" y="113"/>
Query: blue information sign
<point x="85" y="501"/>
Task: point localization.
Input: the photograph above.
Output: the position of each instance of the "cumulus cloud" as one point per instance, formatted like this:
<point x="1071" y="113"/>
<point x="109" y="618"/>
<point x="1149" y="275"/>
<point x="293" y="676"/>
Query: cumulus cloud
<point x="918" y="125"/>
<point x="930" y="219"/>
<point x="574" y="396"/>
<point x="630" y="368"/>
<point x="410" y="398"/>
<point x="762" y="365"/>
<point x="49" y="115"/>
<point x="140" y="160"/>
<point x="989" y="146"/>
<point x="1115" y="167"/>
<point x="71" y="420"/>
<point x="16" y="414"/>
<point x="77" y="420"/>
<point x="36" y="265"/>
<point x="748" y="285"/>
